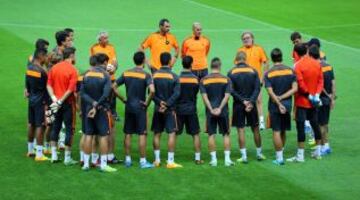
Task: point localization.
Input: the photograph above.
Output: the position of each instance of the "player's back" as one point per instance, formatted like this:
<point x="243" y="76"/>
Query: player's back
<point x="36" y="79"/>
<point x="215" y="85"/>
<point x="167" y="86"/>
<point x="136" y="81"/>
<point x="189" y="88"/>
<point x="280" y="78"/>
<point x="96" y="84"/>
<point x="244" y="78"/>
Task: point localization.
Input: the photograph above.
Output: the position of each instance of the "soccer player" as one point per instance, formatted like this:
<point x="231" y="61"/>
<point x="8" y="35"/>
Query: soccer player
<point x="39" y="44"/>
<point x="307" y="99"/>
<point x="63" y="41"/>
<point x="95" y="90"/>
<point x="215" y="89"/>
<point x="167" y="91"/>
<point x="61" y="85"/>
<point x="71" y="34"/>
<point x="136" y="81"/>
<point x="316" y="42"/>
<point x="160" y="42"/>
<point x="81" y="108"/>
<point x="186" y="106"/>
<point x="256" y="58"/>
<point x="246" y="88"/>
<point x="103" y="46"/>
<point x="328" y="97"/>
<point x="35" y="82"/>
<point x="280" y="82"/>
<point x="197" y="46"/>
<point x="296" y="38"/>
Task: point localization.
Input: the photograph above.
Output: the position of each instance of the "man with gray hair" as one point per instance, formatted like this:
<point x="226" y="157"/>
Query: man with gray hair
<point x="197" y="46"/>
<point x="103" y="46"/>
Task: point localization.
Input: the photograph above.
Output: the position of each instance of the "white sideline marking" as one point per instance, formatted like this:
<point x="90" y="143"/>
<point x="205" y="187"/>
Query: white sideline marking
<point x="267" y="24"/>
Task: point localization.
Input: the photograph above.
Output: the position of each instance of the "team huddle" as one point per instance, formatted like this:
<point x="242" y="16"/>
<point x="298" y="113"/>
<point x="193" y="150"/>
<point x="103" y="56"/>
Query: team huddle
<point x="56" y="92"/>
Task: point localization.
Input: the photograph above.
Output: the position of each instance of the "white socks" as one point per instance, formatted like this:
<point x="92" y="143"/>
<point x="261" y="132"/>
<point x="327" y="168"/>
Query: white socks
<point x="227" y="156"/>
<point x="127" y="158"/>
<point x="30" y="147"/>
<point x="243" y="153"/>
<point x="142" y="160"/>
<point x="300" y="154"/>
<point x="103" y="161"/>
<point x="67" y="156"/>
<point x="157" y="155"/>
<point x="170" y="158"/>
<point x="197" y="156"/>
<point x="258" y="151"/>
<point x="110" y="156"/>
<point x="86" y="159"/>
<point x="53" y="153"/>
<point x="82" y="156"/>
<point x="94" y="158"/>
<point x="39" y="151"/>
<point x="279" y="156"/>
<point x="213" y="156"/>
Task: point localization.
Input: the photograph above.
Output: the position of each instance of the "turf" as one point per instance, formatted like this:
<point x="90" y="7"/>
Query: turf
<point x="335" y="177"/>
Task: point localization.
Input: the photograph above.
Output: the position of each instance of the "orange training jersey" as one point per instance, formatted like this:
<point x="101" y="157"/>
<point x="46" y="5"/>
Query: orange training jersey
<point x="109" y="50"/>
<point x="158" y="44"/>
<point x="255" y="57"/>
<point x="198" y="49"/>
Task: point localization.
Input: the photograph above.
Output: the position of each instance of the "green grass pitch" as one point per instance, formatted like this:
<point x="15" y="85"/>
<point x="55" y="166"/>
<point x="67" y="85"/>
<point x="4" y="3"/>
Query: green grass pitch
<point x="129" y="22"/>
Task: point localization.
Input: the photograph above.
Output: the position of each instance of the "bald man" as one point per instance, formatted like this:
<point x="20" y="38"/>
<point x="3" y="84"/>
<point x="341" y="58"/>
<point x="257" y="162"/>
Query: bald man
<point x="197" y="46"/>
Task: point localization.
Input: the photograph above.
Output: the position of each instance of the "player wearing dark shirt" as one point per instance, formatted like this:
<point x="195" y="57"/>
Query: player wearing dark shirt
<point x="167" y="91"/>
<point x="35" y="81"/>
<point x="280" y="82"/>
<point x="215" y="89"/>
<point x="246" y="89"/>
<point x="95" y="91"/>
<point x="136" y="81"/>
<point x="186" y="106"/>
<point x="328" y="97"/>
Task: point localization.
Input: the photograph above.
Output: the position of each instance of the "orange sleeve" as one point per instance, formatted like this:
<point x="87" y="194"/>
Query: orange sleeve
<point x="92" y="51"/>
<point x="320" y="84"/>
<point x="208" y="47"/>
<point x="147" y="42"/>
<point x="175" y="43"/>
<point x="113" y="53"/>
<point x="184" y="49"/>
<point x="263" y="57"/>
<point x="73" y="81"/>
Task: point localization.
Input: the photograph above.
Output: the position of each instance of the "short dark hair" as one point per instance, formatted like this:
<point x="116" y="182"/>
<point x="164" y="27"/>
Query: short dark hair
<point x="295" y="35"/>
<point x="314" y="41"/>
<point x="162" y="21"/>
<point x="187" y="62"/>
<point x="60" y="37"/>
<point x="314" y="52"/>
<point x="215" y="63"/>
<point x="276" y="55"/>
<point x="68" y="52"/>
<point x="40" y="52"/>
<point x="93" y="60"/>
<point x="300" y="49"/>
<point x="139" y="58"/>
<point x="41" y="43"/>
<point x="165" y="58"/>
<point x="69" y="30"/>
<point x="101" y="58"/>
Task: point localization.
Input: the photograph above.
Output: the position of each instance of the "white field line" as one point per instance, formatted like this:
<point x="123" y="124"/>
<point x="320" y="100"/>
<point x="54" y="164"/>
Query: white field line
<point x="268" y="24"/>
